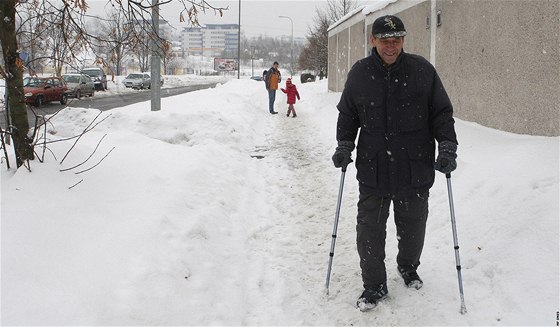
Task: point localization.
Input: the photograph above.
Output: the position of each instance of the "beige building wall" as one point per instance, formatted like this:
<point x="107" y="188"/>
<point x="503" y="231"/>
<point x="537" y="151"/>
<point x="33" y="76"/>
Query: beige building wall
<point x="343" y="58"/>
<point x="332" y="63"/>
<point x="498" y="59"/>
<point x="417" y="40"/>
<point x="357" y="45"/>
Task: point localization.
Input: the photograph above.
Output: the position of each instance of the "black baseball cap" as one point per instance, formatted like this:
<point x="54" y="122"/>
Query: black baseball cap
<point x="388" y="26"/>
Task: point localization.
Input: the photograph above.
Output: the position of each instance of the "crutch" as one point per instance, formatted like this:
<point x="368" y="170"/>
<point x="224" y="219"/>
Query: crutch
<point x="335" y="227"/>
<point x="455" y="243"/>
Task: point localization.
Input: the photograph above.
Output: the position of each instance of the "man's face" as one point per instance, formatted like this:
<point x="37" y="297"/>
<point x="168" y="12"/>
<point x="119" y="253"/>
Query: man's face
<point x="388" y="49"/>
<point x="275" y="66"/>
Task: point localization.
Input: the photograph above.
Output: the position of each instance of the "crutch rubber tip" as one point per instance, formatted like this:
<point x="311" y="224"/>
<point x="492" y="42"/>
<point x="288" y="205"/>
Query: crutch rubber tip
<point x="463" y="309"/>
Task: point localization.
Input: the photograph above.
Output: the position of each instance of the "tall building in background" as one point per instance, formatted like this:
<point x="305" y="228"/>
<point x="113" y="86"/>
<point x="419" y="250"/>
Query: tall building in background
<point x="212" y="40"/>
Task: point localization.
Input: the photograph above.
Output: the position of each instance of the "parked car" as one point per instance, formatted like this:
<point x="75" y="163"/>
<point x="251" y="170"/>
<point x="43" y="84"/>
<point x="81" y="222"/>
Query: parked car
<point x="79" y="84"/>
<point x="98" y="76"/>
<point x="307" y="77"/>
<point x="139" y="81"/>
<point x="257" y="78"/>
<point x="39" y="91"/>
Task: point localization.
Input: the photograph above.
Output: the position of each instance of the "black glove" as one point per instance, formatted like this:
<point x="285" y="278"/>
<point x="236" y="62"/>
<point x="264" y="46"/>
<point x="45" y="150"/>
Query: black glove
<point x="343" y="154"/>
<point x="447" y="153"/>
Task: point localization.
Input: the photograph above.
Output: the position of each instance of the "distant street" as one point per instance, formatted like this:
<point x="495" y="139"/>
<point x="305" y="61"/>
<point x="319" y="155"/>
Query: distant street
<point x="104" y="103"/>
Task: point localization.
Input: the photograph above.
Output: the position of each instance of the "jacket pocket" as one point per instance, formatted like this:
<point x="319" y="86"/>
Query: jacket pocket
<point x="370" y="111"/>
<point x="421" y="167"/>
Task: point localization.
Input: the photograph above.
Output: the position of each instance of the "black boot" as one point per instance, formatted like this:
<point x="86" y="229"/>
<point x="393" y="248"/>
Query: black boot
<point x="410" y="277"/>
<point x="369" y="298"/>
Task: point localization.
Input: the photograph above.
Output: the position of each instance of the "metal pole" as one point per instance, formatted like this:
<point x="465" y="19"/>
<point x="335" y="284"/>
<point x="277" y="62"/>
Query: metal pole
<point x="335" y="228"/>
<point x="239" y="44"/>
<point x="155" y="60"/>
<point x="455" y="243"/>
<point x="252" y="57"/>
<point x="292" y="47"/>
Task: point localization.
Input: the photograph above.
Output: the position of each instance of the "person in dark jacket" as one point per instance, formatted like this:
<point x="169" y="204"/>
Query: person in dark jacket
<point x="398" y="103"/>
<point x="273" y="79"/>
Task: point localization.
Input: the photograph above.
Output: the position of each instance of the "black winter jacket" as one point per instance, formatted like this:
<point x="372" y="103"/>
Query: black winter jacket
<point x="399" y="111"/>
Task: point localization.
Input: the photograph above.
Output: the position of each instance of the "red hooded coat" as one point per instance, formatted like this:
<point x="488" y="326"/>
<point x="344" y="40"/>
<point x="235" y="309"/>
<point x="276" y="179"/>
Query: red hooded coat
<point x="291" y="91"/>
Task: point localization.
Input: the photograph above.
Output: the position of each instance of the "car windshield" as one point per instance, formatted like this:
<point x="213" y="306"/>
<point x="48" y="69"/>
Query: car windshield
<point x="32" y="81"/>
<point x="92" y="72"/>
<point x="134" y="76"/>
<point x="71" y="78"/>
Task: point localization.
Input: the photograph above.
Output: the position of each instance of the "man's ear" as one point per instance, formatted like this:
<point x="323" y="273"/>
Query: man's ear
<point x="372" y="40"/>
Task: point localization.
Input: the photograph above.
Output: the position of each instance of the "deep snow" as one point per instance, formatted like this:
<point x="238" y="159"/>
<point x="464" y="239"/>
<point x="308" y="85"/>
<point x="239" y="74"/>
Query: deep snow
<point x="183" y="224"/>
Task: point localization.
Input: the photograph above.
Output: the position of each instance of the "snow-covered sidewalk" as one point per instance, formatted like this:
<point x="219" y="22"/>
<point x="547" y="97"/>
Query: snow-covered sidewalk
<point x="214" y="212"/>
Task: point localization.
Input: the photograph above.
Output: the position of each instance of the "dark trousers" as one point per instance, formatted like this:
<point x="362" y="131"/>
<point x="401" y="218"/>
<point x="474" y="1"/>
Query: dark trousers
<point x="410" y="213"/>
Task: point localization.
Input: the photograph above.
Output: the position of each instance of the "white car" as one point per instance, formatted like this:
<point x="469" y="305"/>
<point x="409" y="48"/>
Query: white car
<point x="139" y="81"/>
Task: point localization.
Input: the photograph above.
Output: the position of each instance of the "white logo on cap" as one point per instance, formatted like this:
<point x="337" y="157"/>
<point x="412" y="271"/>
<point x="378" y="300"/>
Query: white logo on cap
<point x="390" y="23"/>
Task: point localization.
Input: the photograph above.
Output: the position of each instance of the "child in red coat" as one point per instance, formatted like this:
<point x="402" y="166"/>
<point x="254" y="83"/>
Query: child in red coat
<point x="292" y="93"/>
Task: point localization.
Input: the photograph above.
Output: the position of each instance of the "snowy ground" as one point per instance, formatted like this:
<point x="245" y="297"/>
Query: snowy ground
<point x="183" y="224"/>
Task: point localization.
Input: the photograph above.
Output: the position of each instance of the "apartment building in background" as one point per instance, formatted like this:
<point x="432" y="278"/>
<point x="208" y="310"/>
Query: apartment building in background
<point x="211" y="40"/>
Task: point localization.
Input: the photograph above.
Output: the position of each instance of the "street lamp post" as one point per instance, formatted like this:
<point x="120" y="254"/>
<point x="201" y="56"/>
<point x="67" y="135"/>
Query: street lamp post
<point x="292" y="48"/>
<point x="239" y="44"/>
<point x="155" y="63"/>
<point x="252" y="57"/>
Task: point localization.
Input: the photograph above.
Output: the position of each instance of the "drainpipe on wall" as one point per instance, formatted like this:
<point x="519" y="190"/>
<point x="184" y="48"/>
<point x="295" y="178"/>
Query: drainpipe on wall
<point x="433" y="27"/>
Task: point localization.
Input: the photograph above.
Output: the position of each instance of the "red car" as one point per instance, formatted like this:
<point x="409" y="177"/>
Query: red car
<point x="40" y="90"/>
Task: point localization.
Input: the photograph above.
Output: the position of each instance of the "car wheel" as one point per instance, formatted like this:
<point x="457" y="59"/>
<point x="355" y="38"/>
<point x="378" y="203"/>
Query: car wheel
<point x="64" y="98"/>
<point x="78" y="94"/>
<point x="92" y="91"/>
<point x="39" y="101"/>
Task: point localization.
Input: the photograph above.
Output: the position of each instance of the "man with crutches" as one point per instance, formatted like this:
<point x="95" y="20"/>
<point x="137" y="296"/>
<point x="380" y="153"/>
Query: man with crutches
<point x="398" y="104"/>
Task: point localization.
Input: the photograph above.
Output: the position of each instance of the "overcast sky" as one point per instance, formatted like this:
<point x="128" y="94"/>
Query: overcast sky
<point x="257" y="17"/>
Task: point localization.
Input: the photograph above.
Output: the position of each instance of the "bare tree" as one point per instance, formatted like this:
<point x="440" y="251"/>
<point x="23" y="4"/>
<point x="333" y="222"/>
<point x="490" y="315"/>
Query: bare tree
<point x="315" y="54"/>
<point x="13" y="74"/>
<point x="336" y="9"/>
<point x="68" y="17"/>
<point x="116" y="30"/>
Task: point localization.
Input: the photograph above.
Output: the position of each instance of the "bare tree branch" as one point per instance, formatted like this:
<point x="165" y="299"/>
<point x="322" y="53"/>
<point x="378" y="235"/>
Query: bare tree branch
<point x="89" y="157"/>
<point x="79" y="137"/>
<point x="90" y="168"/>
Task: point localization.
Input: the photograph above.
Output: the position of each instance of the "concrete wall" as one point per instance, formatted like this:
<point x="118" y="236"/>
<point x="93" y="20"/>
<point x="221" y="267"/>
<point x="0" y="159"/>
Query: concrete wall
<point x="357" y="45"/>
<point x="417" y="40"/>
<point x="498" y="59"/>
<point x="332" y="62"/>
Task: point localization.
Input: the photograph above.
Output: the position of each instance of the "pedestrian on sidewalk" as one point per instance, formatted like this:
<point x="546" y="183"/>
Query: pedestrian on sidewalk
<point x="292" y="92"/>
<point x="273" y="79"/>
<point x="401" y="108"/>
